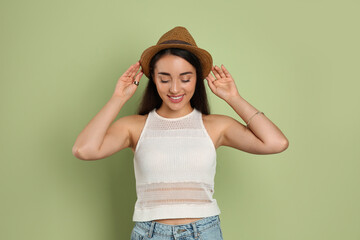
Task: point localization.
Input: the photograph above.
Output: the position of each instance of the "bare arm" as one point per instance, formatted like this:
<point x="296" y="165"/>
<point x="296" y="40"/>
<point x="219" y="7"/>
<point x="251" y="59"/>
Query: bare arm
<point x="89" y="141"/>
<point x="262" y="136"/>
<point x="98" y="140"/>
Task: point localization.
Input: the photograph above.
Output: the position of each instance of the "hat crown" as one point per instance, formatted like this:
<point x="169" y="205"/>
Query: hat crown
<point x="177" y="35"/>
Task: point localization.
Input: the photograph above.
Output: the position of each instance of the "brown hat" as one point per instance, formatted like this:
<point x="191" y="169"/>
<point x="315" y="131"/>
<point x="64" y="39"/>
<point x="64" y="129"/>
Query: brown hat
<point x="178" y="37"/>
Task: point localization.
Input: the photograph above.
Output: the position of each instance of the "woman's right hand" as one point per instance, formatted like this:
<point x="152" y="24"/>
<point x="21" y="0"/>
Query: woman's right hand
<point x="125" y="86"/>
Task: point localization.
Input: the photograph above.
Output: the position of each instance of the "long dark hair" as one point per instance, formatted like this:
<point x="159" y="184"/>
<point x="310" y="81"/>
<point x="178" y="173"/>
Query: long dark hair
<point x="151" y="98"/>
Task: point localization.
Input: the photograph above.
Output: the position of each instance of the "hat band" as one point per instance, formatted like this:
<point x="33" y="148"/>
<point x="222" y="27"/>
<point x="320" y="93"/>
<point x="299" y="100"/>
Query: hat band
<point x="175" y="42"/>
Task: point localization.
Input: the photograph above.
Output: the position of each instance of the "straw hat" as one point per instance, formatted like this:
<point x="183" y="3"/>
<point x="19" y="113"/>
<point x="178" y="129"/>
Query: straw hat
<point x="178" y="37"/>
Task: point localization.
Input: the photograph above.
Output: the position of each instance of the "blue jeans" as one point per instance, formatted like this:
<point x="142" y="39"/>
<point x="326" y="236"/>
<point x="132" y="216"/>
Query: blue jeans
<point x="207" y="228"/>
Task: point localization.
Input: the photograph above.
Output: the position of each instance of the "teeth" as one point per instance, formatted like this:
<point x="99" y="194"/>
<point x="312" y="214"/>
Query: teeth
<point x="177" y="97"/>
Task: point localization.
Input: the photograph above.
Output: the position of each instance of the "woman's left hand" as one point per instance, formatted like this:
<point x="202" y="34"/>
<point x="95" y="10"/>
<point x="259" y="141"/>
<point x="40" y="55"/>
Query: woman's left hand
<point x="222" y="85"/>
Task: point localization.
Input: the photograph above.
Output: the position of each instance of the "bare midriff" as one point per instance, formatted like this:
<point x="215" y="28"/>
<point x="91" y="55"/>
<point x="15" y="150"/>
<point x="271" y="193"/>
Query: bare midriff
<point x="177" y="221"/>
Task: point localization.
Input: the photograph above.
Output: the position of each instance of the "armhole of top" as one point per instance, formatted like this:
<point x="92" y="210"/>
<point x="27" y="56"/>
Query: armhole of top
<point x="142" y="132"/>
<point x="206" y="133"/>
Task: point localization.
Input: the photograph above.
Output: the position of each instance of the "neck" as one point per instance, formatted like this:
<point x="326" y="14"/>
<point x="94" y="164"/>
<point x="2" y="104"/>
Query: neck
<point x="167" y="112"/>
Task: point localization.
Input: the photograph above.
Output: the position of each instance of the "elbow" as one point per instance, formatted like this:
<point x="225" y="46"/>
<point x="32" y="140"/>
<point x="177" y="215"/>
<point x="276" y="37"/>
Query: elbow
<point x="282" y="146"/>
<point x="79" y="153"/>
<point x="279" y="146"/>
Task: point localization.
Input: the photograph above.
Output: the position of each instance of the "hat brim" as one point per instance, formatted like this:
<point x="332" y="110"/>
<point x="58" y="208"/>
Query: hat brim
<point x="203" y="56"/>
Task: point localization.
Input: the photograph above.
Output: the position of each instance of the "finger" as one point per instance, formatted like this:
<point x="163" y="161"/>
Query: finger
<point x="222" y="74"/>
<point x="227" y="74"/>
<point x="127" y="72"/>
<point x="210" y="77"/>
<point x="138" y="76"/>
<point x="217" y="75"/>
<point x="211" y="85"/>
<point x="135" y="68"/>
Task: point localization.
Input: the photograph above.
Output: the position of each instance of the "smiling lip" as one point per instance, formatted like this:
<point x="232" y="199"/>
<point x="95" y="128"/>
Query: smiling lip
<point x="176" y="100"/>
<point x="176" y="95"/>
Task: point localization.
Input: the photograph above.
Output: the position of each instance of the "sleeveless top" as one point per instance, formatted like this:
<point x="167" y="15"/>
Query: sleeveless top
<point x="175" y="166"/>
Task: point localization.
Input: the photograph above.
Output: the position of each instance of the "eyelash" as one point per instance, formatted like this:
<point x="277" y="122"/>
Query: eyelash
<point x="181" y="80"/>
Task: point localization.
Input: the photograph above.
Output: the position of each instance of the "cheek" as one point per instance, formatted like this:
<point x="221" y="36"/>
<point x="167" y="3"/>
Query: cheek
<point x="191" y="87"/>
<point x="159" y="87"/>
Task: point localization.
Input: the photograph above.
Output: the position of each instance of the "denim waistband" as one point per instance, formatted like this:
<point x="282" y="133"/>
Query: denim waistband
<point x="151" y="227"/>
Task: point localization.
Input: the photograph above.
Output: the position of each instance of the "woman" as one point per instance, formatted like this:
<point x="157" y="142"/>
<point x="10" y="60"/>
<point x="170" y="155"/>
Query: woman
<point x="174" y="137"/>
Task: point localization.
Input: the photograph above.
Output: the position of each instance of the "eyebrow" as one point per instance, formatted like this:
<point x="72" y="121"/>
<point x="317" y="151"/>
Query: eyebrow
<point x="168" y="74"/>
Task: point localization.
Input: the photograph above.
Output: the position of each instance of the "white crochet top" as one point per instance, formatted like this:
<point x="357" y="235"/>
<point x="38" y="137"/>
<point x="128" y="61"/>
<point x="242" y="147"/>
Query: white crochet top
<point x="175" y="166"/>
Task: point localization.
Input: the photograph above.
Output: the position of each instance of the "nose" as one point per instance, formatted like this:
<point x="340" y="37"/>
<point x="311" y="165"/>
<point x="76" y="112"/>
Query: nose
<point x="174" y="86"/>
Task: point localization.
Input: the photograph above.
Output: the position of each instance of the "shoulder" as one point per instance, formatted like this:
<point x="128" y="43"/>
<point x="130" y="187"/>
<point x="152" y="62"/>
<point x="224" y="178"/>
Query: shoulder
<point x="217" y="120"/>
<point x="129" y="123"/>
<point x="133" y="120"/>
<point x="228" y="131"/>
<point x="216" y="126"/>
<point x="133" y="124"/>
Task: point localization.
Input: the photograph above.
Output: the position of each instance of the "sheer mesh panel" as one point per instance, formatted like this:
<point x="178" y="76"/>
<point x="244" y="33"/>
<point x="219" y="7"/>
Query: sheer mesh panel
<point x="150" y="133"/>
<point x="190" y="122"/>
<point x="155" y="194"/>
<point x="183" y="127"/>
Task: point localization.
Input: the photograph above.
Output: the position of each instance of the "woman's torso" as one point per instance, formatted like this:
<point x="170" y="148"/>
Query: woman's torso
<point x="212" y="126"/>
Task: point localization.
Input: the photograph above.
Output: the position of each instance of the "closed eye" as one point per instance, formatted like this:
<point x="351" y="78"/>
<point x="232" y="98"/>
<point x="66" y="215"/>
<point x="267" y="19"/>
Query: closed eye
<point x="181" y="80"/>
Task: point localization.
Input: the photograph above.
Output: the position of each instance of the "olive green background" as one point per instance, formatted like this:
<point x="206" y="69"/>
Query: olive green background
<point x="297" y="61"/>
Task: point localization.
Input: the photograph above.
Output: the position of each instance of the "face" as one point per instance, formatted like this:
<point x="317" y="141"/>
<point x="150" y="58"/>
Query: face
<point x="175" y="80"/>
